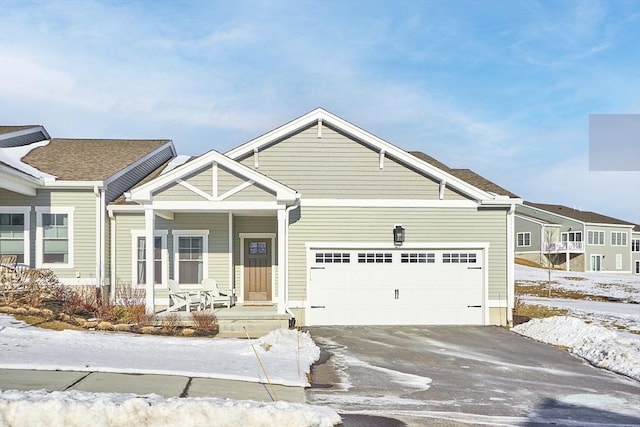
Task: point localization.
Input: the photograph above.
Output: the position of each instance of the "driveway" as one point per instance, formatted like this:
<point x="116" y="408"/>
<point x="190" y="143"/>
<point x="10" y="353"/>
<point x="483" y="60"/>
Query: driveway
<point x="452" y="375"/>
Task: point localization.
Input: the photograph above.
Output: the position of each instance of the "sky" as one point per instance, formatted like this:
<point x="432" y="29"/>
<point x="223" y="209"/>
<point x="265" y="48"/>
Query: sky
<point x="504" y="88"/>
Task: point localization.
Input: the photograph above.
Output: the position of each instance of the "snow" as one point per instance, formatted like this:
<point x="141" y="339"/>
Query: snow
<point x="175" y="162"/>
<point x="603" y="347"/>
<point x="620" y="286"/>
<point x="287" y="356"/>
<point x="76" y="408"/>
<point x="12" y="156"/>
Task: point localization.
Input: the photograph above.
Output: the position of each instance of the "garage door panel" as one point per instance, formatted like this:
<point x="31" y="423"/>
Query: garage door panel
<point x="386" y="287"/>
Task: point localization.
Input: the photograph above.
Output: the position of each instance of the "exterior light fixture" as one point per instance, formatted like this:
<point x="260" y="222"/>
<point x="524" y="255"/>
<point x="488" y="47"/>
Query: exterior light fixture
<point x="398" y="235"/>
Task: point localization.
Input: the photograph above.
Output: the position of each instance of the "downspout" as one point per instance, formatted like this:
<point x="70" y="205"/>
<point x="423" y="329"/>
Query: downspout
<point x="285" y="258"/>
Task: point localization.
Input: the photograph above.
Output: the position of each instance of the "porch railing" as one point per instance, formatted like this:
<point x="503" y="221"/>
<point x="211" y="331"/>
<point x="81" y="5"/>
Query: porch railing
<point x="564" y="247"/>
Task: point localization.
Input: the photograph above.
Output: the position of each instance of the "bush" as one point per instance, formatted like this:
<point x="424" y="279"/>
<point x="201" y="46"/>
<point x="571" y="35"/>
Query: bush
<point x="204" y="321"/>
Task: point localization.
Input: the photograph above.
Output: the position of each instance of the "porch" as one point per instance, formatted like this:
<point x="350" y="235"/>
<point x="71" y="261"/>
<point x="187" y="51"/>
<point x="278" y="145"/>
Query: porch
<point x="562" y="247"/>
<point x="257" y="320"/>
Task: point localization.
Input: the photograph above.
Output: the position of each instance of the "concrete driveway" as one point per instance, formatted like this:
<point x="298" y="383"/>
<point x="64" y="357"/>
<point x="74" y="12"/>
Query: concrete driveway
<point x="453" y="375"/>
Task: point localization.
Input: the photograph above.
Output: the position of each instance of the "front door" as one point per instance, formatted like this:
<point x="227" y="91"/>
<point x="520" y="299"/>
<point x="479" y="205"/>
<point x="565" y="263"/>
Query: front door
<point x="596" y="262"/>
<point x="257" y="270"/>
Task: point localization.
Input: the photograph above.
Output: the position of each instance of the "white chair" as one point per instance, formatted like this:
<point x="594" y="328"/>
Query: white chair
<point x="180" y="298"/>
<point x="213" y="295"/>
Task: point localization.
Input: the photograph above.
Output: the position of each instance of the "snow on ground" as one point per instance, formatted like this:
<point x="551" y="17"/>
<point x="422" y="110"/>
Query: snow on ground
<point x="74" y="408"/>
<point x="287" y="356"/>
<point x="603" y="347"/>
<point x="614" y="314"/>
<point x="26" y="347"/>
<point x="625" y="287"/>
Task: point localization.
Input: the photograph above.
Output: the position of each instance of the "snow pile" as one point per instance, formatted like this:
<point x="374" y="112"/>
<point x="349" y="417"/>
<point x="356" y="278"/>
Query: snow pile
<point x="286" y="363"/>
<point x="12" y="156"/>
<point x="603" y="347"/>
<point x="74" y="408"/>
<point x="625" y="287"/>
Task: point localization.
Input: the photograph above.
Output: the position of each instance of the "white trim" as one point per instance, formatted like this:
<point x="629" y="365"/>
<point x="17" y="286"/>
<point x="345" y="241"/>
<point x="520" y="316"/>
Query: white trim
<point x="26" y="212"/>
<point x="98" y="236"/>
<point x="140" y="161"/>
<point x="388" y="203"/>
<point x="358" y="133"/>
<point x="387" y="245"/>
<point x="256" y="158"/>
<point x="381" y="159"/>
<point x="52" y="183"/>
<point x="235" y="190"/>
<point x="18" y="182"/>
<point x="598" y="224"/>
<point x="539" y="222"/>
<point x="230" y="250"/>
<point x="205" y="251"/>
<point x="214" y="206"/>
<point x="282" y="252"/>
<point x="214" y="180"/>
<point x="244" y="236"/>
<point x="195" y="189"/>
<point x="164" y="256"/>
<point x="69" y="211"/>
<point x="511" y="262"/>
<point x="523" y="245"/>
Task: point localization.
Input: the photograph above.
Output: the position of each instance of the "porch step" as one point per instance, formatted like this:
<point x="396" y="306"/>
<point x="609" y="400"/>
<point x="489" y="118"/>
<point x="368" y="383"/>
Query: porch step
<point x="254" y="326"/>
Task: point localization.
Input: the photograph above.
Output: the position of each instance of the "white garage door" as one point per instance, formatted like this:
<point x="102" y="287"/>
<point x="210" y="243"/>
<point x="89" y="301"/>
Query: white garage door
<point x="396" y="287"/>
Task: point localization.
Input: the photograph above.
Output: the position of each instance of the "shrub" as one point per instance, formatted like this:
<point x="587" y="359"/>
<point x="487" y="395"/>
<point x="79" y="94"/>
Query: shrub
<point x="170" y="322"/>
<point x="204" y="321"/>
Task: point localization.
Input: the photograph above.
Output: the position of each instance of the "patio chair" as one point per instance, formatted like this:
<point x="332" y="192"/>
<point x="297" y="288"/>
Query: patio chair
<point x="179" y="298"/>
<point x="213" y="295"/>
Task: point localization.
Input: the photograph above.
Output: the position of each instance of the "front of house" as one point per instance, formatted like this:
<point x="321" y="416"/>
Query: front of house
<point x="321" y="220"/>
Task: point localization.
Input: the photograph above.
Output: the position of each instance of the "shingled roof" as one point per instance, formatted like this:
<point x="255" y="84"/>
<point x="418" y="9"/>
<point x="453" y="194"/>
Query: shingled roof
<point x="467" y="175"/>
<point x="89" y="159"/>
<point x="584" y="216"/>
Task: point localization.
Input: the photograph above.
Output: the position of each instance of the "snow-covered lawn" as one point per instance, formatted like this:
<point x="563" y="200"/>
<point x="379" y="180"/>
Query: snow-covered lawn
<point x="286" y="355"/>
<point x="591" y="330"/>
<point x="623" y="287"/>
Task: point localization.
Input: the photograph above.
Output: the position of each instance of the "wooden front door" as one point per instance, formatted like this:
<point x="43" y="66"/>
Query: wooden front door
<point x="257" y="269"/>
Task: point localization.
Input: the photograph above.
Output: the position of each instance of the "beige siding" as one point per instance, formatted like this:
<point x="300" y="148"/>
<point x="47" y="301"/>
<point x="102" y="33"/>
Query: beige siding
<point x="336" y="166"/>
<point x="177" y="193"/>
<point x="84" y="232"/>
<point x="253" y="224"/>
<point x="253" y="193"/>
<point x="227" y="180"/>
<point x="123" y="225"/>
<point x="427" y="225"/>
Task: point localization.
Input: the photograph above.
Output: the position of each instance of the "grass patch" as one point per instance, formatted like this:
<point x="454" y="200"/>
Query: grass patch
<point x="41" y="322"/>
<point x="574" y="278"/>
<point x="542" y="290"/>
<point x="539" y="311"/>
<point x="526" y="262"/>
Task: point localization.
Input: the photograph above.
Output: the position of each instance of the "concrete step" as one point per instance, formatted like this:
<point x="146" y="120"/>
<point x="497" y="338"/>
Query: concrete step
<point x="239" y="325"/>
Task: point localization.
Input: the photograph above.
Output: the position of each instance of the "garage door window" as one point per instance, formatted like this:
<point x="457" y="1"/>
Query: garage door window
<point x="417" y="258"/>
<point x="333" y="258"/>
<point x="458" y="258"/>
<point x="377" y="258"/>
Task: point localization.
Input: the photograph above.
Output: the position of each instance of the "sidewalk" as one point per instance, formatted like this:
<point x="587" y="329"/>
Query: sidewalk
<point x="143" y="384"/>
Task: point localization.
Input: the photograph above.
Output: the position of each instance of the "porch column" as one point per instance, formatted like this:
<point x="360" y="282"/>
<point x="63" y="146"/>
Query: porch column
<point x="149" y="224"/>
<point x="282" y="261"/>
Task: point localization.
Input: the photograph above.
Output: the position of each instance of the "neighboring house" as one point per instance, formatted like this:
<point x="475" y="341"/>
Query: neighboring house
<point x="327" y="222"/>
<point x="54" y="192"/>
<point x="576" y="240"/>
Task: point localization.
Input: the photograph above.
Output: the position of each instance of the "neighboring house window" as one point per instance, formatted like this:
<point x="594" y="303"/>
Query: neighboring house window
<point x="595" y="237"/>
<point x="190" y="256"/>
<point x="524" y="239"/>
<point x="572" y="236"/>
<point x="14" y="233"/>
<point x="618" y="238"/>
<point x="635" y="245"/>
<point x="54" y="236"/>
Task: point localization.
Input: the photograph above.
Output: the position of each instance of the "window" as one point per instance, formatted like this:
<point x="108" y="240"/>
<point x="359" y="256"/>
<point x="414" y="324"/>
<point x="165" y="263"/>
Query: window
<point x="618" y="238"/>
<point x="54" y="237"/>
<point x="190" y="260"/>
<point x="418" y="258"/>
<point x="595" y="237"/>
<point x="14" y="234"/>
<point x="635" y="245"/>
<point x="377" y="258"/>
<point x="141" y="260"/>
<point x="524" y="239"/>
<point x="333" y="257"/>
<point x="571" y="236"/>
<point x="459" y="258"/>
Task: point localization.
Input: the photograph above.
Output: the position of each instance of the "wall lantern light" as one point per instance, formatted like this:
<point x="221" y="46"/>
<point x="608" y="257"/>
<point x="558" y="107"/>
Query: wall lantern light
<point x="398" y="235"/>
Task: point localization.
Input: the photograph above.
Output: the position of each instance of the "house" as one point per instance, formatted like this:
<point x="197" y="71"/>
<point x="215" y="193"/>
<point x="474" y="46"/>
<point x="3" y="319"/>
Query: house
<point x="576" y="240"/>
<point x="54" y="193"/>
<point x="327" y="222"/>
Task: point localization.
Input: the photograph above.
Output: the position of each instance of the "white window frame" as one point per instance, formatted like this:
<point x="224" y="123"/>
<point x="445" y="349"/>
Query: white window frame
<point x="164" y="256"/>
<point x="591" y="240"/>
<point x="69" y="211"/>
<point x="621" y="235"/>
<point x="205" y="251"/>
<point x="526" y="239"/>
<point x="565" y="236"/>
<point x="635" y="245"/>
<point x="26" y="211"/>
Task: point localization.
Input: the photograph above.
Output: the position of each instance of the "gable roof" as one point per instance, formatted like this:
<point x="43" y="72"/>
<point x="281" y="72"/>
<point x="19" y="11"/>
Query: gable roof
<point x="89" y="159"/>
<point x="584" y="216"/>
<point x="12" y="129"/>
<point x="435" y="170"/>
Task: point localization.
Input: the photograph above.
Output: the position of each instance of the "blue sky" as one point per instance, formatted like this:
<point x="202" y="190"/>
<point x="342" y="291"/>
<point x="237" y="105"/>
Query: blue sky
<point x="503" y="88"/>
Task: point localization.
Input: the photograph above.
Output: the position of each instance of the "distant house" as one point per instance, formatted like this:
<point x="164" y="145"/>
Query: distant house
<point x="54" y="193"/>
<point x="318" y="219"/>
<point x="576" y="240"/>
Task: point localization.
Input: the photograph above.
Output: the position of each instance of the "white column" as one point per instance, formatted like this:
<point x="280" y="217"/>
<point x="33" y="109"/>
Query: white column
<point x="149" y="218"/>
<point x="282" y="261"/>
